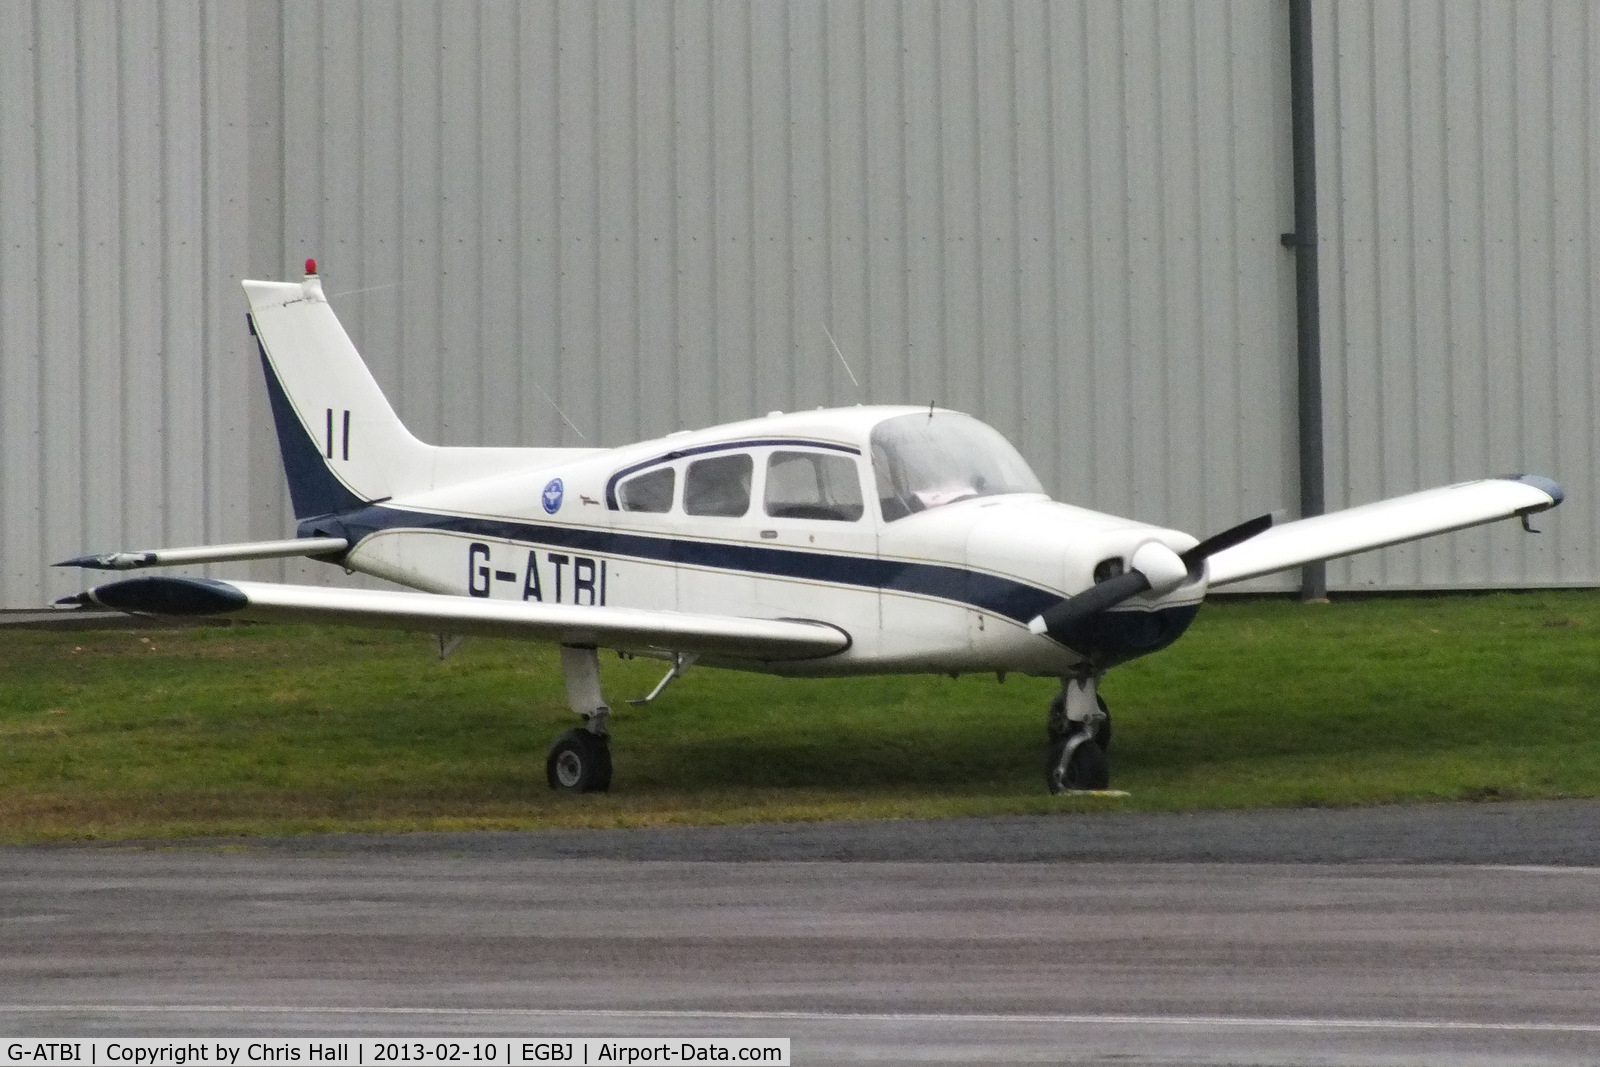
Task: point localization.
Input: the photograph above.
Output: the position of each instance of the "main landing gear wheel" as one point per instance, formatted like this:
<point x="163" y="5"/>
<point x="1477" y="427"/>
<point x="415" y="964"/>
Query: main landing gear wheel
<point x="579" y="762"/>
<point x="1083" y="767"/>
<point x="1059" y="728"/>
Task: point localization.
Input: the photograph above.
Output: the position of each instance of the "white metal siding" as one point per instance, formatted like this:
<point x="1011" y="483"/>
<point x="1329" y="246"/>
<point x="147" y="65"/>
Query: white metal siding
<point x="1458" y="170"/>
<point x="655" y="213"/>
<point x="122" y="139"/>
<point x="1063" y="217"/>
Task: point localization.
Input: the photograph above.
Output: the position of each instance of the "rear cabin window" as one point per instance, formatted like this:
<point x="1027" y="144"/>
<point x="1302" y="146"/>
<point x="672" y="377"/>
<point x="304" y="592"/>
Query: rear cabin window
<point x="650" y="491"/>
<point x="718" y="486"/>
<point x="813" y="485"/>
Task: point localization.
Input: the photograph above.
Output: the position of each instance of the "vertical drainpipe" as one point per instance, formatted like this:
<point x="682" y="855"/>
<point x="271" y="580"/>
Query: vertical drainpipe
<point x="1313" y="577"/>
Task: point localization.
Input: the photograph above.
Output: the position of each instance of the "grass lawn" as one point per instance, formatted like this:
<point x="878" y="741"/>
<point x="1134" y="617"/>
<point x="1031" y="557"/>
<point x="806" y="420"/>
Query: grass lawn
<point x="290" y="729"/>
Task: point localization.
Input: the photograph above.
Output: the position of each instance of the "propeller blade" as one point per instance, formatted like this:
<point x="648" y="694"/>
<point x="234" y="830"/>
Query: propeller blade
<point x="1234" y="535"/>
<point x="1093" y="600"/>
<point x="1154" y="566"/>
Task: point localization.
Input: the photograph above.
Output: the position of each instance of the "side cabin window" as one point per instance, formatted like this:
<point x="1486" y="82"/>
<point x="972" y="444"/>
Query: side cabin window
<point x="719" y="485"/>
<point x="650" y="491"/>
<point x="813" y="485"/>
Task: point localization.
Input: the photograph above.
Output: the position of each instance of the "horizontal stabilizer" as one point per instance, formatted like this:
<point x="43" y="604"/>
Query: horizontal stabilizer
<point x="1387" y="522"/>
<point x="174" y="557"/>
<point x="568" y="624"/>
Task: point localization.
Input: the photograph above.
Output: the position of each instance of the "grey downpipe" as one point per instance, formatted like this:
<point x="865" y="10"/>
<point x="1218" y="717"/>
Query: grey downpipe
<point x="1308" y="313"/>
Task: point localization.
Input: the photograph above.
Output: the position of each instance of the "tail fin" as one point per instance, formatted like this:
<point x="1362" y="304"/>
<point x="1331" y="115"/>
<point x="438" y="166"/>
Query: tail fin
<point x="342" y="443"/>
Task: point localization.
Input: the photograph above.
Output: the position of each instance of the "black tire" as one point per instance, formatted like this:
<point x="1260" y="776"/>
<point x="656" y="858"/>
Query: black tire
<point x="579" y="762"/>
<point x="1057" y="728"/>
<point x="1086" y="768"/>
<point x="602" y="765"/>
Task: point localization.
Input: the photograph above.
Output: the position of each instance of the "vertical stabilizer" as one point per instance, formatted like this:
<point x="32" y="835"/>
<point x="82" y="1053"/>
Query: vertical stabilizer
<point x="342" y="443"/>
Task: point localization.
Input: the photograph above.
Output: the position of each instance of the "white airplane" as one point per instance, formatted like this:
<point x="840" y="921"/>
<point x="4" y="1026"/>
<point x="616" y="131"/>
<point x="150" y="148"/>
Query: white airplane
<point x="844" y="541"/>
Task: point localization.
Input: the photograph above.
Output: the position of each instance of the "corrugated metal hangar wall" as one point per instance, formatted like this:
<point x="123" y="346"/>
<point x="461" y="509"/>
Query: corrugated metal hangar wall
<point x="1063" y="217"/>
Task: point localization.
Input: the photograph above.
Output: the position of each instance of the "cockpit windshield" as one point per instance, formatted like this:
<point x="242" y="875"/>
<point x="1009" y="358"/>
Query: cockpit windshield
<point x="924" y="460"/>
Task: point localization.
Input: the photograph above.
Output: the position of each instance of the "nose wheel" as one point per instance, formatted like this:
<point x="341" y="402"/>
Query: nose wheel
<point x="1077" y="764"/>
<point x="1058" y="727"/>
<point x="1079" y="728"/>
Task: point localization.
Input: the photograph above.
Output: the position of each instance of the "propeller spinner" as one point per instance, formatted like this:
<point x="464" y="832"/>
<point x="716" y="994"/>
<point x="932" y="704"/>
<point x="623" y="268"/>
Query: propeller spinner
<point x="1153" y="568"/>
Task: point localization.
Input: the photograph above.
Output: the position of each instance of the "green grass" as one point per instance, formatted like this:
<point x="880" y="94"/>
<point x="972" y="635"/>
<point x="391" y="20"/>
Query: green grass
<point x="293" y="729"/>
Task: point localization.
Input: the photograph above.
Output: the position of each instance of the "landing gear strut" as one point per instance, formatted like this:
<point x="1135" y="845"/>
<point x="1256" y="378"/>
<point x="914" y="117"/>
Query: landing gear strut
<point x="1058" y="726"/>
<point x="1080" y="730"/>
<point x="580" y="760"/>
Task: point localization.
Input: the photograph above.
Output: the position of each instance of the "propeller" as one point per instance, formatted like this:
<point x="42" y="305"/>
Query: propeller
<point x="1154" y="567"/>
<point x="1233" y="535"/>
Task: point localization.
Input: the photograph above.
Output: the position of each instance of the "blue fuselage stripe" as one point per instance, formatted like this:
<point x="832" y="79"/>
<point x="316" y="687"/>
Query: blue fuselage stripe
<point x="987" y="592"/>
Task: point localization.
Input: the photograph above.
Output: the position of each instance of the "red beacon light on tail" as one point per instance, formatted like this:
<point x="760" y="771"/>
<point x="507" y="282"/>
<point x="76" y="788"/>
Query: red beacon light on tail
<point x="311" y="267"/>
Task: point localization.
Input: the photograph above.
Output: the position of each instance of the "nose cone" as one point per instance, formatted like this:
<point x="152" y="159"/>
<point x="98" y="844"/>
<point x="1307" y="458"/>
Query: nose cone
<point x="1161" y="567"/>
<point x="1058" y="549"/>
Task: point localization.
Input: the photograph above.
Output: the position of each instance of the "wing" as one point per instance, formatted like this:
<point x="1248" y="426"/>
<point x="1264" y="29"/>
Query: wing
<point x="568" y="624"/>
<point x="1387" y="522"/>
<point x="174" y="557"/>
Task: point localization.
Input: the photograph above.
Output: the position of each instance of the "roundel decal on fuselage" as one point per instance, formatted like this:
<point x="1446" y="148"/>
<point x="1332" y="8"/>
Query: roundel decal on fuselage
<point x="552" y="496"/>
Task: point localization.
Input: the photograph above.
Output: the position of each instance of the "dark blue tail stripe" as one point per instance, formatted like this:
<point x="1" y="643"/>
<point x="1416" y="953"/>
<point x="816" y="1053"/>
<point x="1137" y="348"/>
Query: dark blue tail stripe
<point x="313" y="489"/>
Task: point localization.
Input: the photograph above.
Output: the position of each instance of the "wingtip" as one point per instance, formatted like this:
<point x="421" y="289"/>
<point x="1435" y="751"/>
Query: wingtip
<point x="1549" y="486"/>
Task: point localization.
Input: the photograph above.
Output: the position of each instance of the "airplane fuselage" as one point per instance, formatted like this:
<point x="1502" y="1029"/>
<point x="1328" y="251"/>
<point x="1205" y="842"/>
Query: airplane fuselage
<point x="949" y="588"/>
